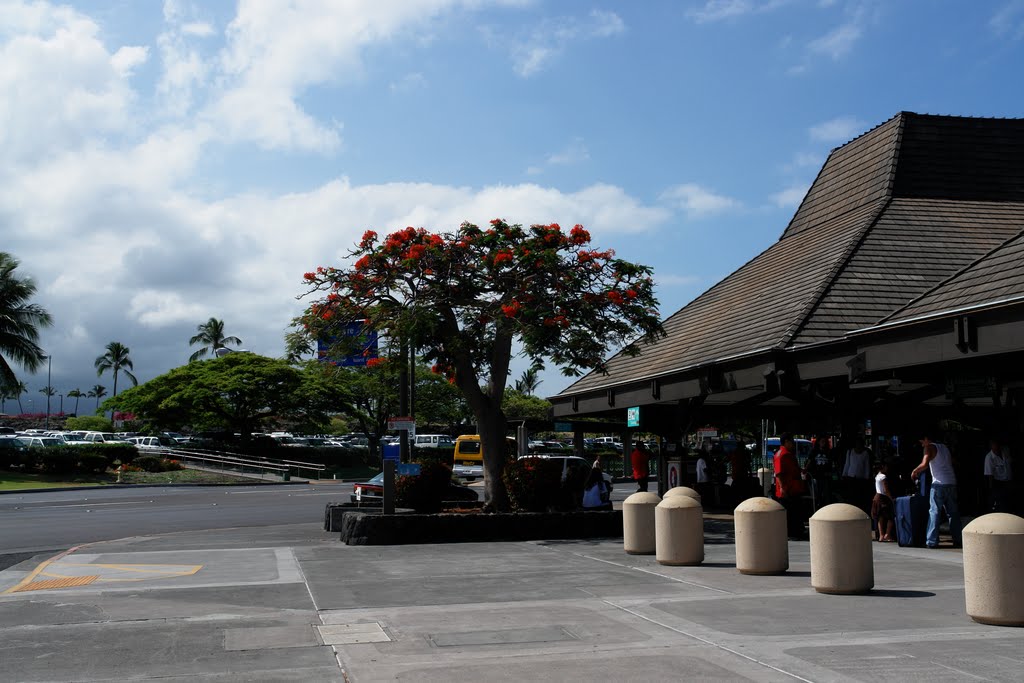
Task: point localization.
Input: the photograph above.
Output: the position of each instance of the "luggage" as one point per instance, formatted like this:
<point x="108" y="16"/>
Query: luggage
<point x="912" y="516"/>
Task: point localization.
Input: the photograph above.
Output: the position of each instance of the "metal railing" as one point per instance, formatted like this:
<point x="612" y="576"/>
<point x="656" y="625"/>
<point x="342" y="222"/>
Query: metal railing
<point x="235" y="463"/>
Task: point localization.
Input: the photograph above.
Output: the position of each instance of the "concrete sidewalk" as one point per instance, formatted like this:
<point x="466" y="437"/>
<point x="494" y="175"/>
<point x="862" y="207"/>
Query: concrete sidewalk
<point x="292" y="603"/>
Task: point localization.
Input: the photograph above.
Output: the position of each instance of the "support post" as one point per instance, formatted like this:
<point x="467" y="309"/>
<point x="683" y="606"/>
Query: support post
<point x="389" y="487"/>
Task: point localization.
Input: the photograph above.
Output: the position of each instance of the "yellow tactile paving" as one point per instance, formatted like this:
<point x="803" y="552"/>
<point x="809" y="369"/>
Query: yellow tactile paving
<point x="116" y="573"/>
<point x="51" y="584"/>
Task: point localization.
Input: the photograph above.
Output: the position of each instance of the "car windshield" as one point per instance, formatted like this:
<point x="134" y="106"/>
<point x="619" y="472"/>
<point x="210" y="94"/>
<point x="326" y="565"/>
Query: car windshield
<point x="379" y="479"/>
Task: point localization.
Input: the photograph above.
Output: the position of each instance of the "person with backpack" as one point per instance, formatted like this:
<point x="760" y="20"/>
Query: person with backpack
<point x="597" y="491"/>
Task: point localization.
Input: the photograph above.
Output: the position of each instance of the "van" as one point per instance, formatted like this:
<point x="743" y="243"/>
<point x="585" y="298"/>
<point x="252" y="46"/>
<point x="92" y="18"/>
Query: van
<point x="468" y="459"/>
<point x="433" y="441"/>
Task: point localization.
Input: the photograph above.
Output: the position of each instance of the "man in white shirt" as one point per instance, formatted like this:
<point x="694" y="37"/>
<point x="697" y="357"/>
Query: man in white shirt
<point x="999" y="474"/>
<point x="857" y="481"/>
<point x="938" y="460"/>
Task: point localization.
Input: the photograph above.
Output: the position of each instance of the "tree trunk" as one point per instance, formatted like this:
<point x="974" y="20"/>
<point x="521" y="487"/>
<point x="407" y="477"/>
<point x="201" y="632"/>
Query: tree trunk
<point x="493" y="426"/>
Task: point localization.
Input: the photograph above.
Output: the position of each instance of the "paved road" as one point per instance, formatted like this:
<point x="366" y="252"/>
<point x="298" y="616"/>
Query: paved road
<point x="36" y="522"/>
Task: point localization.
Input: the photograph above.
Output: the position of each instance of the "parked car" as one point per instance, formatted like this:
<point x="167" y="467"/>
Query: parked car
<point x="40" y="441"/>
<point x="572" y="466"/>
<point x="100" y="437"/>
<point x="433" y="441"/>
<point x="148" y="443"/>
<point x="372" y="492"/>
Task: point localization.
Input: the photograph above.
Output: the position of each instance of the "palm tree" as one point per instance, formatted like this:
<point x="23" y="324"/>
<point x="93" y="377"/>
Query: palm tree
<point x="48" y="391"/>
<point x="528" y="383"/>
<point x="19" y="322"/>
<point x="97" y="392"/>
<point x="17" y="389"/>
<point x="211" y="335"/>
<point x="5" y="396"/>
<point x="116" y="359"/>
<point x="76" y="394"/>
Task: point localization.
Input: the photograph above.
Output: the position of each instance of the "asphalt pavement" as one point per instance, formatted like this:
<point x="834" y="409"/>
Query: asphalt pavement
<point x="291" y="603"/>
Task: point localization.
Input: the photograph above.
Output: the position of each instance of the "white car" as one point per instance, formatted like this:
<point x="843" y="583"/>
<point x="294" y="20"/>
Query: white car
<point x="147" y="443"/>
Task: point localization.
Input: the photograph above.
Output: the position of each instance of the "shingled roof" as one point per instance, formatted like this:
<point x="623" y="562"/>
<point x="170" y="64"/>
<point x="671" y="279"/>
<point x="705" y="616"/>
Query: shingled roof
<point x="892" y="214"/>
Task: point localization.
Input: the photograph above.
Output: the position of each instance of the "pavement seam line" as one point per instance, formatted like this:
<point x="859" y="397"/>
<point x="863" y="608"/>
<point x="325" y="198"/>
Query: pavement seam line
<point x="35" y="572"/>
<point x="708" y="642"/>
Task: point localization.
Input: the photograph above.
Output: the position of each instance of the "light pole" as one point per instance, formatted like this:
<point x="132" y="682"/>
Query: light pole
<point x="49" y="387"/>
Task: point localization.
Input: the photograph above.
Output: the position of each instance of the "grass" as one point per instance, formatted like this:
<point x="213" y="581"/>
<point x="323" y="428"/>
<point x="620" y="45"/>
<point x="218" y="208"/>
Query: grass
<point x="16" y="481"/>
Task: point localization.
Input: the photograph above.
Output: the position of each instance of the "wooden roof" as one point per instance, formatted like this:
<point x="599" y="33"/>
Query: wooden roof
<point x="892" y="214"/>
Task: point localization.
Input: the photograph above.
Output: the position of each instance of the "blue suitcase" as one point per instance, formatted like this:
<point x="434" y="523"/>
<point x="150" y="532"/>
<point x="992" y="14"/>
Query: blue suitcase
<point x="912" y="516"/>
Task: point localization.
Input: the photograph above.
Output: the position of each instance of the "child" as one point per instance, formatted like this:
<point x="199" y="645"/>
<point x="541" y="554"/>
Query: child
<point x="882" y="510"/>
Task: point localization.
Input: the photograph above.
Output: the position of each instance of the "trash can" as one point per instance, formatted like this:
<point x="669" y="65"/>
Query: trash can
<point x="762" y="545"/>
<point x="679" y="531"/>
<point x="993" y="566"/>
<point x="286" y="476"/>
<point x="638" y="523"/>
<point x="841" y="554"/>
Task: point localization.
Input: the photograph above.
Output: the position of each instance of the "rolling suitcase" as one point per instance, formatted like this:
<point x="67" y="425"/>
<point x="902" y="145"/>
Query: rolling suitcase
<point x="912" y="515"/>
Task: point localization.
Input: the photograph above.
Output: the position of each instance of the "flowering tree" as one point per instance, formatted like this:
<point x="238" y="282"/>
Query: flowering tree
<point x="463" y="298"/>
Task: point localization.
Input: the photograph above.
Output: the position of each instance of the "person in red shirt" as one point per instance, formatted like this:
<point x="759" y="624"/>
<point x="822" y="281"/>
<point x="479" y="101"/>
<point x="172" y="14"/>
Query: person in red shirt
<point x="789" y="486"/>
<point x="639" y="460"/>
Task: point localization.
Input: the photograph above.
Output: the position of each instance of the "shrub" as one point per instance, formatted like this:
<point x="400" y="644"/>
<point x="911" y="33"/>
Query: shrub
<point x="149" y="463"/>
<point x="125" y="452"/>
<point x="425" y="491"/>
<point x="91" y="462"/>
<point x="89" y="423"/>
<point x="57" y="460"/>
<point x="172" y="466"/>
<point x="534" y="484"/>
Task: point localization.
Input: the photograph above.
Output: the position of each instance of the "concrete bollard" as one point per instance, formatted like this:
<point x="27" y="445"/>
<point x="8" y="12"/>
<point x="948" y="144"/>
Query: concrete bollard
<point x="993" y="566"/>
<point x="638" y="523"/>
<point x="841" y="554"/>
<point x="766" y="478"/>
<point x="762" y="545"/>
<point x="679" y="531"/>
<point x="683" y="491"/>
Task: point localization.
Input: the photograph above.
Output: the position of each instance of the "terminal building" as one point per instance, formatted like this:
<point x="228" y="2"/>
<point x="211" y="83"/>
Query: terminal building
<point x="892" y="303"/>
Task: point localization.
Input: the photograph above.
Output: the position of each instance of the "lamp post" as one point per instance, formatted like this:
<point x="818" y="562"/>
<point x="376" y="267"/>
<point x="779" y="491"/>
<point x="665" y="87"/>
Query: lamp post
<point x="49" y="387"/>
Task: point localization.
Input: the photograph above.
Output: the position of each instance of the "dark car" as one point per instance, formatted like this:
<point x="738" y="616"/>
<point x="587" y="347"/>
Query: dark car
<point x="372" y="492"/>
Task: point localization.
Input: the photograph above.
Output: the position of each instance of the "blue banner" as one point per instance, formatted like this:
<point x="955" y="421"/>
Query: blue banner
<point x="363" y="339"/>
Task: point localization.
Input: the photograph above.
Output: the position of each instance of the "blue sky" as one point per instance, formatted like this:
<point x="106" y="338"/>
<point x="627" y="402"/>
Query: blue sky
<point x="165" y="163"/>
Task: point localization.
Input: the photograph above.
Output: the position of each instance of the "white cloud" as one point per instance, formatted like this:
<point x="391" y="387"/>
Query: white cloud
<point x="1008" y="21"/>
<point x="575" y="152"/>
<point x="159" y="309"/>
<point x="199" y="29"/>
<point x="544" y="43"/>
<point x="789" y="197"/>
<point x="717" y="10"/>
<point x="127" y="58"/>
<point x="698" y="201"/>
<point x="838" y="42"/>
<point x="839" y="129"/>
<point x="721" y="10"/>
<point x="409" y="83"/>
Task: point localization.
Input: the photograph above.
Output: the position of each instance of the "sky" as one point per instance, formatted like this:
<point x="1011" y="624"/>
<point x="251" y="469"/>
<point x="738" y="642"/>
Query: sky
<point x="162" y="163"/>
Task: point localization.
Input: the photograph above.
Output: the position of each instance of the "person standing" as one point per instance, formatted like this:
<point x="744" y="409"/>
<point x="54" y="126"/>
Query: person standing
<point x="939" y="462"/>
<point x="703" y="478"/>
<point x="641" y="467"/>
<point x="882" y="511"/>
<point x="999" y="475"/>
<point x="819" y="468"/>
<point x="789" y="486"/>
<point x="857" y="475"/>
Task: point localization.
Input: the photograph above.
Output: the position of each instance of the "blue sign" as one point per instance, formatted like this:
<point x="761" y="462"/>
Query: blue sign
<point x="408" y="469"/>
<point x="392" y="451"/>
<point x="365" y="343"/>
<point x="633" y="416"/>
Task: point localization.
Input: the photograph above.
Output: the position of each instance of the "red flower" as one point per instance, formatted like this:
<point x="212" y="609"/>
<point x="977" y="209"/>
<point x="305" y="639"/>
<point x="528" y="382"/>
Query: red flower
<point x="309" y="276"/>
<point x="615" y="297"/>
<point x="510" y="309"/>
<point x="631" y="294"/>
<point x="579" y="235"/>
<point x="368" y="237"/>
<point x="497" y="221"/>
<point x="362" y="263"/>
<point x="416" y="251"/>
<point x="375" y="362"/>
<point x="505" y="255"/>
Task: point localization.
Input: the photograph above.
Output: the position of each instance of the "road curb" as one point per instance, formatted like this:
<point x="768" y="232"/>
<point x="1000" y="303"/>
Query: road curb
<point x="108" y="487"/>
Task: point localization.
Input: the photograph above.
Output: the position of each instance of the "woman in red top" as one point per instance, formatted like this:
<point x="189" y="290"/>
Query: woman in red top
<point x="789" y="486"/>
<point x="638" y="458"/>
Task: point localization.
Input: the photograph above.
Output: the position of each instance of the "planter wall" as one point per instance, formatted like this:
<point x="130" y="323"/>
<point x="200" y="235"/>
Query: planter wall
<point x="362" y="527"/>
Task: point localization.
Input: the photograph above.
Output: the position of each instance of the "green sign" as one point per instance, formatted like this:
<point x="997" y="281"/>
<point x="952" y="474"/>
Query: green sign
<point x="633" y="416"/>
<point x="563" y="426"/>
